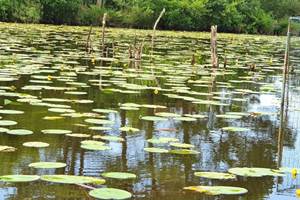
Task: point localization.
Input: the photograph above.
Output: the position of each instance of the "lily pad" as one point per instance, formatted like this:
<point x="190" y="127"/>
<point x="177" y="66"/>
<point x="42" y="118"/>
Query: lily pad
<point x="56" y="131"/>
<point x="255" y="172"/>
<point x="215" y="175"/>
<point x="162" y="140"/>
<point x="181" y="145"/>
<point x="218" y="190"/>
<point x="47" y="165"/>
<point x="19" y="132"/>
<point x="154" y="118"/>
<point x="7" y="123"/>
<point x="70" y="179"/>
<point x="7" y="148"/>
<point x="110" y="193"/>
<point x="19" y="178"/>
<point x="156" y="150"/>
<point x="119" y="175"/>
<point x="184" y="152"/>
<point x="11" y="112"/>
<point x="36" y="144"/>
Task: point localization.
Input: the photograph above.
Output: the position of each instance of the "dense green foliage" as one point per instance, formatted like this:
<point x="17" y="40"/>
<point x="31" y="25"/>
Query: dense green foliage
<point x="241" y="16"/>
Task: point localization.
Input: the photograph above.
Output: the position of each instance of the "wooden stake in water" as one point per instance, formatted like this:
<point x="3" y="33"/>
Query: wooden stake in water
<point x="283" y="94"/>
<point x="213" y="47"/>
<point x="103" y="33"/>
<point x="154" y="29"/>
<point x="88" y="45"/>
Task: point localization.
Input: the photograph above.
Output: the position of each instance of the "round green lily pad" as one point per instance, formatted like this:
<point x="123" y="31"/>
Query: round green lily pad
<point x="154" y="118"/>
<point x="19" y="132"/>
<point x="162" y="140"/>
<point x="167" y="114"/>
<point x="78" y="135"/>
<point x="218" y="190"/>
<point x="47" y="165"/>
<point x="215" y="175"/>
<point x="70" y="179"/>
<point x="11" y="112"/>
<point x="98" y="121"/>
<point x="7" y="148"/>
<point x="19" y="178"/>
<point x="254" y="172"/>
<point x="182" y="145"/>
<point x="56" y="131"/>
<point x="110" y="193"/>
<point x="94" y="147"/>
<point x="104" y="111"/>
<point x="119" y="175"/>
<point x="36" y="144"/>
<point x="7" y="123"/>
<point x="184" y="152"/>
<point x="3" y="130"/>
<point x="156" y="150"/>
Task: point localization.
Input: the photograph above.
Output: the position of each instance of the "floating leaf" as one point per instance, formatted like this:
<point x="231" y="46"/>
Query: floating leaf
<point x="215" y="175"/>
<point x="182" y="145"/>
<point x="98" y="121"/>
<point x="154" y="118"/>
<point x="162" y="140"/>
<point x="19" y="132"/>
<point x="218" y="190"/>
<point x="7" y="148"/>
<point x="70" y="179"/>
<point x="184" y="152"/>
<point x="11" y="112"/>
<point x="254" y="172"/>
<point x="7" y="123"/>
<point x="119" y="175"/>
<point x="36" y="144"/>
<point x="56" y="131"/>
<point x="110" y="193"/>
<point x="167" y="114"/>
<point x="19" y="178"/>
<point x="47" y="165"/>
<point x="156" y="150"/>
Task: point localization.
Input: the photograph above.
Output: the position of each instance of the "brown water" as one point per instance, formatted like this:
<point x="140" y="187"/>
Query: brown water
<point x="30" y="51"/>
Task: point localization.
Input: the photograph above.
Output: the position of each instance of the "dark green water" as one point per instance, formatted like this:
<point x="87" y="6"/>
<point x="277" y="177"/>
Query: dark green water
<point x="29" y="52"/>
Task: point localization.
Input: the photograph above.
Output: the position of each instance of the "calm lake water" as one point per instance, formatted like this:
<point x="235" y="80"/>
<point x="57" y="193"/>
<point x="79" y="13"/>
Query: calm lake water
<point x="48" y="61"/>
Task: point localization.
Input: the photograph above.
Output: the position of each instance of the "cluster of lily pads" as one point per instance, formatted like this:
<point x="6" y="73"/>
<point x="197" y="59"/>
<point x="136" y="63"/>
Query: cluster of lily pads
<point x="99" y="193"/>
<point x="232" y="174"/>
<point x="68" y="73"/>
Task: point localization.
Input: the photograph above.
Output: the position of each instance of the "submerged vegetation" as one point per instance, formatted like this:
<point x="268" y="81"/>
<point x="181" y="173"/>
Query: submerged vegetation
<point x="239" y="16"/>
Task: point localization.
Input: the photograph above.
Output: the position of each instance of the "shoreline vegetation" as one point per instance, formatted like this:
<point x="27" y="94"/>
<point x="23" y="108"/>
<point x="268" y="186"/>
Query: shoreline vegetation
<point x="231" y="16"/>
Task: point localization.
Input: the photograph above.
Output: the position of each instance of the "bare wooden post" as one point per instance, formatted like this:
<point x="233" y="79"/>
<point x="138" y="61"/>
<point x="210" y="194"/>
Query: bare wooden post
<point x="154" y="29"/>
<point x="283" y="93"/>
<point x="103" y="32"/>
<point x="88" y="45"/>
<point x="213" y="47"/>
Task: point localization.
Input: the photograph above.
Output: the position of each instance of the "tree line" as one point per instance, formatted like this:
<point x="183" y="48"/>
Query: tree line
<point x="237" y="16"/>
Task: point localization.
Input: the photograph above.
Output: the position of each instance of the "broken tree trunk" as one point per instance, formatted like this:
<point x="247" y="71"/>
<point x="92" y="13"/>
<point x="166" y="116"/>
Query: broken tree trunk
<point x="88" y="45"/>
<point x="103" y="33"/>
<point x="154" y="29"/>
<point x="213" y="47"/>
